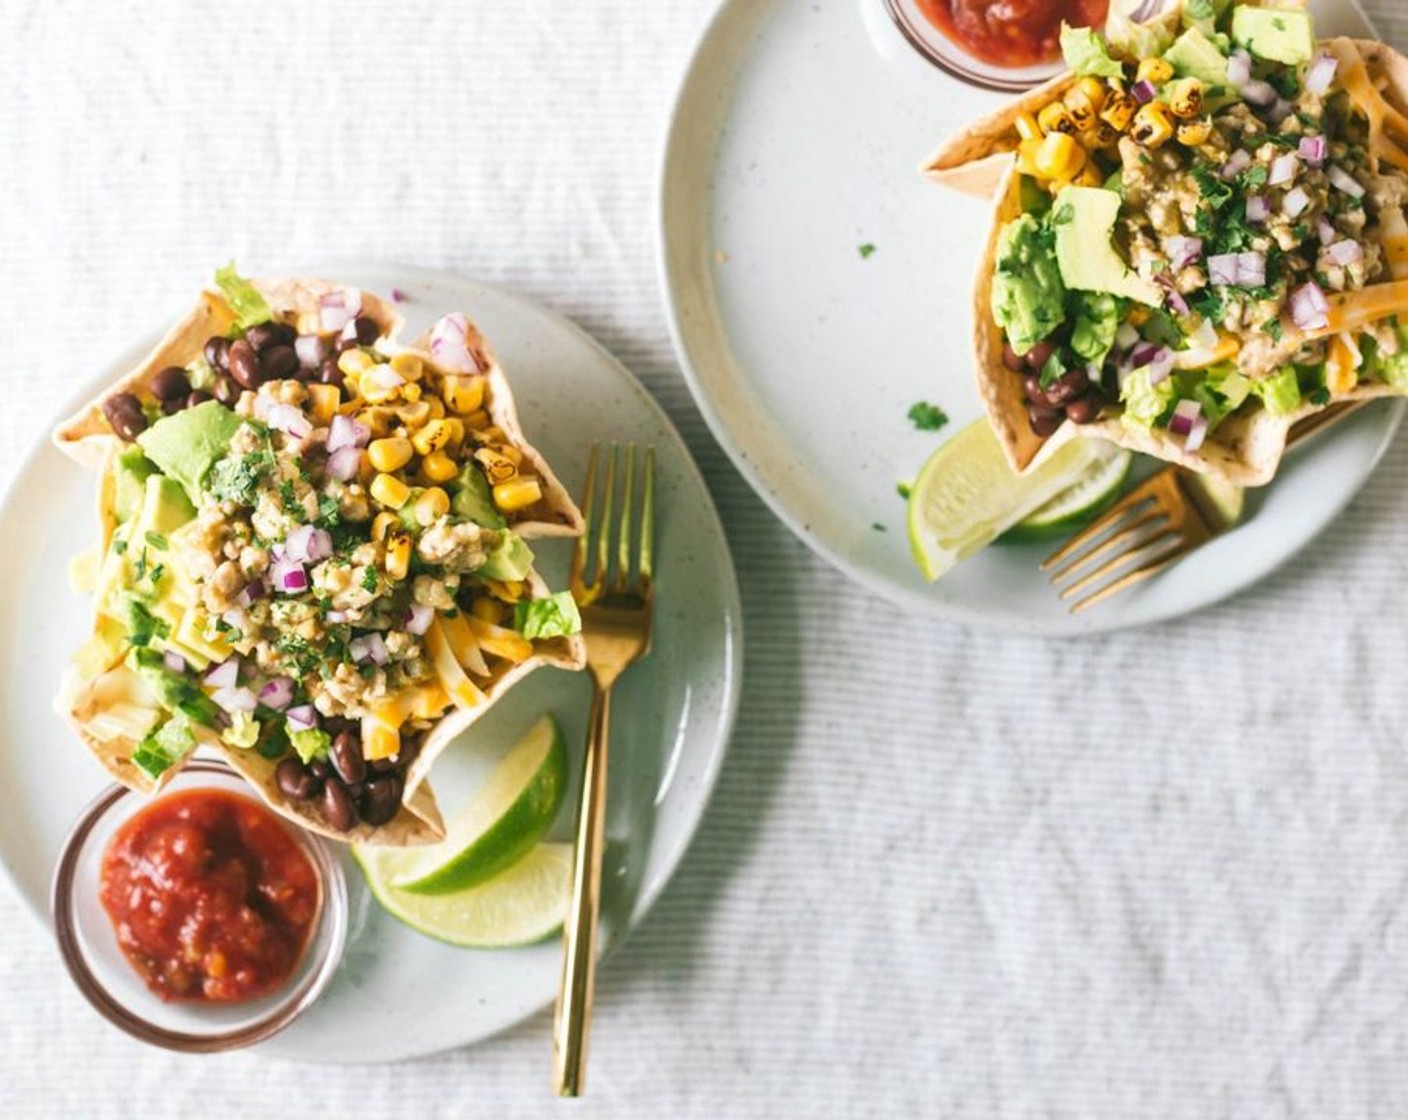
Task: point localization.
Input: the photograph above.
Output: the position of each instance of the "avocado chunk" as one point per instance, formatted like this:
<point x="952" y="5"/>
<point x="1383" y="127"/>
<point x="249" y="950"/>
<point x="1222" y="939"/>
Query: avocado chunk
<point x="187" y="444"/>
<point x="1194" y="55"/>
<point x="510" y="559"/>
<point x="472" y="499"/>
<point x="1084" y="218"/>
<point x="143" y="566"/>
<point x="130" y="473"/>
<point x="1279" y="34"/>
<point x="1028" y="298"/>
<point x="175" y="692"/>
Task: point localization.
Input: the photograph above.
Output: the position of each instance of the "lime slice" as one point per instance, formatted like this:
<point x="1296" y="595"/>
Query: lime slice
<point x="503" y="821"/>
<point x="526" y="903"/>
<point x="1077" y="505"/>
<point x="967" y="494"/>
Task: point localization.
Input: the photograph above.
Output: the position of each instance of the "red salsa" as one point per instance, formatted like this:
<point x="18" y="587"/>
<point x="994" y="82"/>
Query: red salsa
<point x="210" y="896"/>
<point x="1011" y="32"/>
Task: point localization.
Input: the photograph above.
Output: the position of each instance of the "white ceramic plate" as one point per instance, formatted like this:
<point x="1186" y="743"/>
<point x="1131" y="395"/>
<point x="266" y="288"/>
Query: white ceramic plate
<point x="399" y="994"/>
<point x="797" y="138"/>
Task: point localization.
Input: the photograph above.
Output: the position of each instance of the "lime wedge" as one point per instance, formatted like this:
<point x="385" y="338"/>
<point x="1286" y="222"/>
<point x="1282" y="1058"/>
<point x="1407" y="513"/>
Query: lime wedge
<point x="967" y="494"/>
<point x="499" y="824"/>
<point x="526" y="903"/>
<point x="1076" y="506"/>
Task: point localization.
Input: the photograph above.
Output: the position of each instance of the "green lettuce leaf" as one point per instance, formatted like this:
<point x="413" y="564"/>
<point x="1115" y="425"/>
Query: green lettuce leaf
<point x="242" y="296"/>
<point x="1098" y="317"/>
<point x="1146" y="404"/>
<point x="553" y="617"/>
<point x="310" y="744"/>
<point x="1085" y="53"/>
<point x="1140" y="40"/>
<point x="165" y="746"/>
<point x="1280" y="393"/>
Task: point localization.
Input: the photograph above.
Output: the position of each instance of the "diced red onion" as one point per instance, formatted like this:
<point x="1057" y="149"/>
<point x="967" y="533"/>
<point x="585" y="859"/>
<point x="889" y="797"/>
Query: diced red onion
<point x="288" y="418"/>
<point x="1251" y="270"/>
<point x="1142" y="354"/>
<point x="348" y="333"/>
<point x="173" y="661"/>
<point x="383" y="377"/>
<point x="1236" y="163"/>
<point x="1258" y="208"/>
<point x="224" y="675"/>
<point x="236" y="699"/>
<point x="1325" y="231"/>
<point x="344" y="464"/>
<point x="346" y="432"/>
<point x="277" y="694"/>
<point x="398" y="296"/>
<point x="1284" y="168"/>
<point x="419" y="618"/>
<point x="1126" y="335"/>
<point x="1258" y="93"/>
<point x="289" y="576"/>
<point x="308" y="544"/>
<point x="1143" y="91"/>
<point x="1222" y="269"/>
<point x="1346" y="182"/>
<point x="1295" y="202"/>
<point x="311" y="350"/>
<point x="337" y="309"/>
<point x="369" y="647"/>
<point x="1308" y="307"/>
<point x="1146" y="10"/>
<point x="449" y="345"/>
<point x="1205" y="335"/>
<point x="302" y="718"/>
<point x="1345" y="252"/>
<point x="1177" y="302"/>
<point x="1196" y="433"/>
<point x="1239" y="68"/>
<point x="336" y="616"/>
<point x="1160" y="365"/>
<point x="1321" y="73"/>
<point x="1184" y="413"/>
<point x="250" y="594"/>
<point x="1313" y="150"/>
<point x="1184" y="250"/>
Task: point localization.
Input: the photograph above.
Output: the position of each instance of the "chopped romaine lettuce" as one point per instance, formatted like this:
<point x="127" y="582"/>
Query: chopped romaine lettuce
<point x="310" y="744"/>
<point x="1280" y="393"/>
<point x="243" y="731"/>
<point x="165" y="746"/>
<point x="1141" y="40"/>
<point x="1085" y="53"/>
<point x="242" y="296"/>
<point x="1391" y="369"/>
<point x="553" y="617"/>
<point x="1146" y="404"/>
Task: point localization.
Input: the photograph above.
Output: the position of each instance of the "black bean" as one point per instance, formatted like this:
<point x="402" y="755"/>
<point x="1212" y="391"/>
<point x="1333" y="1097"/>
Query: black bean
<point x="330" y="374"/>
<point x="294" y="781"/>
<point x="217" y="353"/>
<point x="1011" y="359"/>
<point x="171" y="383"/>
<point x="124" y="413"/>
<point x="1083" y="410"/>
<point x="226" y="391"/>
<point x="197" y="396"/>
<point x="263" y="335"/>
<point x="338" y="807"/>
<point x="383" y="766"/>
<point x="278" y="362"/>
<point x="319" y="768"/>
<point x="367" y="330"/>
<point x="382" y="799"/>
<point x="346" y="757"/>
<point x="1067" y="387"/>
<point x="1037" y="355"/>
<point x="1044" y="421"/>
<point x="244" y="364"/>
<point x="173" y="406"/>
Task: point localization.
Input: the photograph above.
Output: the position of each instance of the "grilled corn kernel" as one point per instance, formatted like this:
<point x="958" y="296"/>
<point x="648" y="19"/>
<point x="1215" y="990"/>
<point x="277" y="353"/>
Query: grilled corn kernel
<point x="1083" y="100"/>
<point x="1155" y="70"/>
<point x="355" y="361"/>
<point x="1054" y="118"/>
<point x="1152" y="125"/>
<point x="398" y="553"/>
<point x="1026" y="157"/>
<point x="456" y="426"/>
<point x="415" y="414"/>
<point x="436" y="406"/>
<point x="1027" y="127"/>
<point x="1185" y="98"/>
<point x="411" y="391"/>
<point x="1095" y="90"/>
<point x="381" y="523"/>
<point x="1090" y="176"/>
<point x="434" y="436"/>
<point x="1059" y="156"/>
<point x="487" y="610"/>
<point x="408" y="365"/>
<point x="439" y="467"/>
<point x="376" y="388"/>
<point x="498" y="467"/>
<point x="390" y="491"/>
<point x="511" y="453"/>
<point x="1194" y="133"/>
<point x="432" y="505"/>
<point x="477" y="421"/>
<point x="1119" y="110"/>
<point x="463" y="394"/>
<point x="389" y="454"/>
<point x="519" y="494"/>
<point x="1102" y="136"/>
<point x="324" y="401"/>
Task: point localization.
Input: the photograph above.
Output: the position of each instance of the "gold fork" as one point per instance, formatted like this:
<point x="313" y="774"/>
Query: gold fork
<point x="616" y="627"/>
<point x="1157" y="524"/>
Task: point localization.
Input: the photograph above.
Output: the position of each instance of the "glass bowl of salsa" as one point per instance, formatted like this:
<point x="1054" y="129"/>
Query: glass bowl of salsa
<point x="197" y="919"/>
<point x="996" y="44"/>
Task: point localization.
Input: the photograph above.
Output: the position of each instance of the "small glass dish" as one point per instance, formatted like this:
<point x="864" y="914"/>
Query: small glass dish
<point x="936" y="47"/>
<point x="103" y="974"/>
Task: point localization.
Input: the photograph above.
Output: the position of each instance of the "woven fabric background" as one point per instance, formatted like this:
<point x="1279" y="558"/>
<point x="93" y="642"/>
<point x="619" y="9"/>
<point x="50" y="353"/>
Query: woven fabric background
<point x="945" y="872"/>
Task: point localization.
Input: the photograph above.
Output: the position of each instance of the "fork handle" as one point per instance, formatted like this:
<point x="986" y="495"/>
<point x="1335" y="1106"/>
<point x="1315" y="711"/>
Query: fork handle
<point x="574" y="1000"/>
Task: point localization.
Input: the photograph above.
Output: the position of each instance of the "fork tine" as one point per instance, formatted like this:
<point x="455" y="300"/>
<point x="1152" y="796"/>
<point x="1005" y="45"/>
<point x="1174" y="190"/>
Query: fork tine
<point x="1115" y="541"/>
<point x="623" y="531"/>
<point x="1115" y="563"/>
<point x="1092" y="531"/>
<point x="603" y="546"/>
<point x="1129" y="579"/>
<point x="647" y="518"/>
<point x="576" y="577"/>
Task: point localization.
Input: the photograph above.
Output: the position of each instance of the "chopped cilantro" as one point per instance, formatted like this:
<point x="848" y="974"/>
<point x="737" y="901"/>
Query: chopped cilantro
<point x="866" y="251"/>
<point x="288" y="498"/>
<point x="1252" y="178"/>
<point x="904" y="489"/>
<point x="369" y="580"/>
<point x="878" y="527"/>
<point x="927" y="417"/>
<point x="156" y="540"/>
<point x="119" y="547"/>
<point x="1051" y="369"/>
<point x="236" y="479"/>
<point x="1320" y="396"/>
<point x="1272" y="327"/>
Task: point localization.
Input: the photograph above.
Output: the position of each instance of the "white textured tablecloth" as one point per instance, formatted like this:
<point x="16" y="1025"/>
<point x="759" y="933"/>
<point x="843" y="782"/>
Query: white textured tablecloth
<point x="946" y="872"/>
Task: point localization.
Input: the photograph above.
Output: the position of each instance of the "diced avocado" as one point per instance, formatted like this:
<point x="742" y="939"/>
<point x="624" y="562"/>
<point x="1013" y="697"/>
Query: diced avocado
<point x="1280" y="393"/>
<point x="130" y="473"/>
<point x="176" y="693"/>
<point x="1133" y="33"/>
<point x="509" y="560"/>
<point x="1084" y="218"/>
<point x="1028" y="298"/>
<point x="1279" y="34"/>
<point x="1203" y="14"/>
<point x="165" y="508"/>
<point x="472" y="499"/>
<point x="186" y="444"/>
<point x="1194" y="55"/>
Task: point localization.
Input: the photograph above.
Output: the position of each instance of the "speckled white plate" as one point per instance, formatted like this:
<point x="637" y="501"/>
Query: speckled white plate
<point x="797" y="138"/>
<point x="399" y="994"/>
